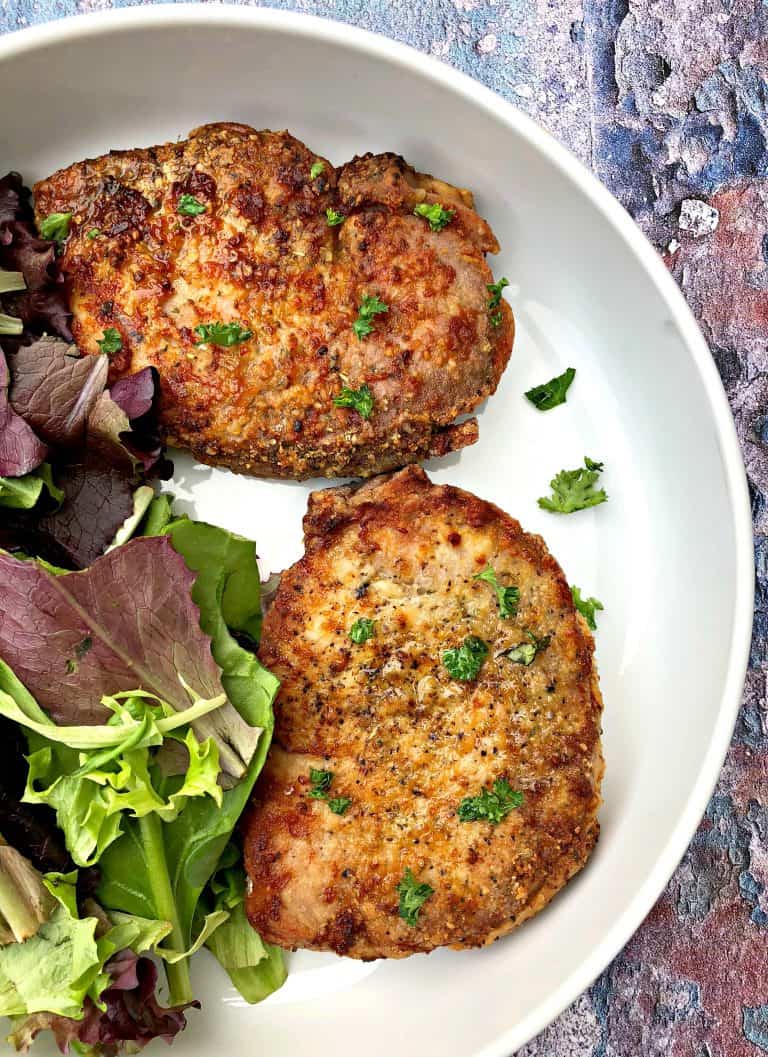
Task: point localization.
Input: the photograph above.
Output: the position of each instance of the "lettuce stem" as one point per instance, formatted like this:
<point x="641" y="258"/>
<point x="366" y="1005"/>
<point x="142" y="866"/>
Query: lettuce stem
<point x="179" y="983"/>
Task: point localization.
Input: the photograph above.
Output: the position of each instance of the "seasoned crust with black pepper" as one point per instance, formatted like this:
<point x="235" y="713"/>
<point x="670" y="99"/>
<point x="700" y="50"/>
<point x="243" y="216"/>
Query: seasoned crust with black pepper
<point x="405" y="741"/>
<point x="263" y="254"/>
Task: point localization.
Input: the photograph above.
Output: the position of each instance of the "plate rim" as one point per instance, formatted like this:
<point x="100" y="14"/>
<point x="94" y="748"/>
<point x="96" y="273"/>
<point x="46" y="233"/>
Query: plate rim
<point x="18" y="42"/>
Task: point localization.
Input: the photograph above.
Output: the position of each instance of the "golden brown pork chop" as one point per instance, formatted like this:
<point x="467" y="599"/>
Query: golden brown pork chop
<point x="260" y="251"/>
<point x="409" y="745"/>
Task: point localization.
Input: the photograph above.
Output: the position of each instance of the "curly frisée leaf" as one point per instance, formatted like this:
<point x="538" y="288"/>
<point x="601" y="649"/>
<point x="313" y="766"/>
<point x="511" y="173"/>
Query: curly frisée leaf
<point x="89" y="787"/>
<point x="135" y="607"/>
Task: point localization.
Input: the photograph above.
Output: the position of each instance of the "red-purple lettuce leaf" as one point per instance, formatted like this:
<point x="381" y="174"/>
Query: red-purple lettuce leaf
<point x="54" y="389"/>
<point x="44" y="311"/>
<point x="98" y="501"/>
<point x="14" y="199"/>
<point x="43" y="307"/>
<point x="100" y="483"/>
<point x="132" y="1016"/>
<point x="129" y="621"/>
<point x="21" y="451"/>
<point x="125" y="419"/>
<point x="22" y="251"/>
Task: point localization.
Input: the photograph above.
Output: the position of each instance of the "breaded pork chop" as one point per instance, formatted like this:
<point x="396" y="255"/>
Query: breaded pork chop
<point x="485" y="789"/>
<point x="232" y="226"/>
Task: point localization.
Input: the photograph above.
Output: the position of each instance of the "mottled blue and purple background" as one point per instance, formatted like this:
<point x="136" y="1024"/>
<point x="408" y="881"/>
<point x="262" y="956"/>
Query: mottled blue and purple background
<point x="667" y="101"/>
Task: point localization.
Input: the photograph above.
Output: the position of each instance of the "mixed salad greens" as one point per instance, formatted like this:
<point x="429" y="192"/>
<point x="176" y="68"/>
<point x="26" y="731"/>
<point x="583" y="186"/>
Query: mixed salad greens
<point x="134" y="713"/>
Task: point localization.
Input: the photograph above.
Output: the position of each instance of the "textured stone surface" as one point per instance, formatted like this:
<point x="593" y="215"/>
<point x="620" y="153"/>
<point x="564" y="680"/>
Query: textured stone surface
<point x="667" y="100"/>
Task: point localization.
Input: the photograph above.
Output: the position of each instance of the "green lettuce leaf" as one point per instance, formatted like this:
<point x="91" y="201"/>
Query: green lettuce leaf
<point x="158" y="516"/>
<point x="90" y="790"/>
<point x="159" y="871"/>
<point x="23" y="493"/>
<point x="25" y="901"/>
<point x="254" y="967"/>
<point x="53" y="971"/>
<point x="129" y="620"/>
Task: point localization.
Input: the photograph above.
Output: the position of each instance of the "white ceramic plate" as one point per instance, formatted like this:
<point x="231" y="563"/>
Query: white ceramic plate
<point x="670" y="555"/>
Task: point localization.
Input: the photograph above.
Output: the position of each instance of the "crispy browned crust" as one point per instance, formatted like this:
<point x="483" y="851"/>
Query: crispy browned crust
<point x="263" y="254"/>
<point x="405" y="741"/>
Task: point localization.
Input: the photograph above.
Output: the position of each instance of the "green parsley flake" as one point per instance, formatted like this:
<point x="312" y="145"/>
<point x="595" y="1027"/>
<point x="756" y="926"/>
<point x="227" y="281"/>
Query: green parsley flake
<point x="413" y="896"/>
<point x="494" y="289"/>
<point x="586" y="606"/>
<point x="189" y="206"/>
<point x="93" y="233"/>
<point x="224" y="334"/>
<point x="525" y="652"/>
<point x="491" y="805"/>
<point x="508" y="597"/>
<point x="362" y="630"/>
<point x="369" y="307"/>
<point x="360" y="400"/>
<point x="339" y="804"/>
<point x="575" y="489"/>
<point x="321" y="783"/>
<point x="111" y="342"/>
<point x="466" y="661"/>
<point x="317" y="168"/>
<point x="435" y="215"/>
<point x="55" y="226"/>
<point x="552" y="393"/>
<point x="333" y="217"/>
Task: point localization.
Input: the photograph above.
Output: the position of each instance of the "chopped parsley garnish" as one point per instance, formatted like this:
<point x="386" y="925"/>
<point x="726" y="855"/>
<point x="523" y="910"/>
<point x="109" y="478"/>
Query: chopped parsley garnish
<point x="465" y="661"/>
<point x="84" y="646"/>
<point x="362" y="630"/>
<point x="55" y="226"/>
<point x="339" y="804"/>
<point x="492" y="805"/>
<point x="525" y="652"/>
<point x="317" y="168"/>
<point x="494" y="289"/>
<point x="321" y="783"/>
<point x="360" y="400"/>
<point x="369" y="307"/>
<point x="508" y="597"/>
<point x="435" y="215"/>
<point x="413" y="895"/>
<point x="111" y="342"/>
<point x="586" y="606"/>
<point x="93" y="233"/>
<point x="224" y="334"/>
<point x="552" y="393"/>
<point x="333" y="217"/>
<point x="189" y="206"/>
<point x="575" y="489"/>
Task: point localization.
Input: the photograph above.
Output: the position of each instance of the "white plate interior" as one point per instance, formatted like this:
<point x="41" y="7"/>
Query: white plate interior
<point x="665" y="555"/>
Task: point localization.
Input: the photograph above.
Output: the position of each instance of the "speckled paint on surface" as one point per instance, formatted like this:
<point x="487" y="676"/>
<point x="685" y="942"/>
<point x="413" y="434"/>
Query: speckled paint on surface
<point x="667" y="101"/>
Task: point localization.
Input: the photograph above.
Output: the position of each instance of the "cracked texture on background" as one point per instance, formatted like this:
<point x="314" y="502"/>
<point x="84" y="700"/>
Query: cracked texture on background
<point x="667" y="100"/>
